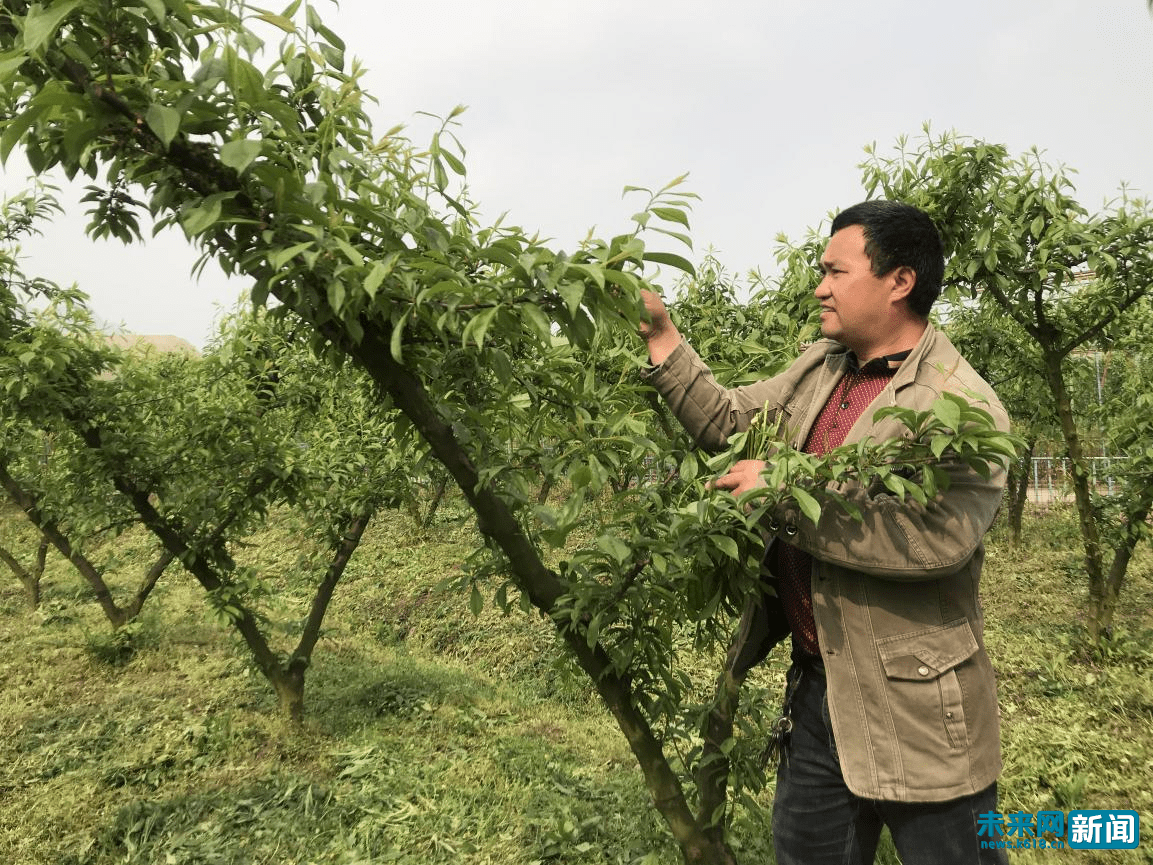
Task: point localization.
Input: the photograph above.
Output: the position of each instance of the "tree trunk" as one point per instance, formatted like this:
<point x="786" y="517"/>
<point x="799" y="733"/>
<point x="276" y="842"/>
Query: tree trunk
<point x="52" y="533"/>
<point x="132" y="610"/>
<point x="289" y="681"/>
<point x="434" y="505"/>
<point x="1122" y="555"/>
<point x="715" y="766"/>
<point x="544" y="588"/>
<point x="545" y="489"/>
<point x="1090" y="533"/>
<point x="289" y="687"/>
<point x="29" y="579"/>
<point x="413" y="507"/>
<point x="700" y="842"/>
<point x="38" y="573"/>
<point x="1018" y="490"/>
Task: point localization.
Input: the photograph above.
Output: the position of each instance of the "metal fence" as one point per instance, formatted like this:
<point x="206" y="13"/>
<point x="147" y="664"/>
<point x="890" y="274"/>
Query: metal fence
<point x="1051" y="480"/>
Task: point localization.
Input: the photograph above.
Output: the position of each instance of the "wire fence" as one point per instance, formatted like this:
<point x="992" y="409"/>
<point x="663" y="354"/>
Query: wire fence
<point x="1051" y="479"/>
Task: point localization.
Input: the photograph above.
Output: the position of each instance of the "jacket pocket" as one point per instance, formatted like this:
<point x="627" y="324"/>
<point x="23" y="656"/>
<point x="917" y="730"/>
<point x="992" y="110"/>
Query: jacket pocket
<point x="929" y="658"/>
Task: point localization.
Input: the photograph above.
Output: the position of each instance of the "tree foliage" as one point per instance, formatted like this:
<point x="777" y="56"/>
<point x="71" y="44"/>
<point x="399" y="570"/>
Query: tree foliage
<point x="1067" y="281"/>
<point x="199" y="450"/>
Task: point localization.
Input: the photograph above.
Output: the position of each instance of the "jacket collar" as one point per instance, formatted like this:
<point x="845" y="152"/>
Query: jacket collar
<point x="908" y="370"/>
<point x="838" y="356"/>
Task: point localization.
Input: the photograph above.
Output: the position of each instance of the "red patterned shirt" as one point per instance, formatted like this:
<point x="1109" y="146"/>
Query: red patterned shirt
<point x="792" y="566"/>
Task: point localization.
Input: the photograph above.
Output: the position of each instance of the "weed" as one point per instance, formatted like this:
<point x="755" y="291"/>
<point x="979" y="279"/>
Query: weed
<point x="113" y="648"/>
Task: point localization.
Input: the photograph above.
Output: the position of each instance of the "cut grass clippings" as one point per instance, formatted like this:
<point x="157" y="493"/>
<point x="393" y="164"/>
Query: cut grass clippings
<point x="432" y="736"/>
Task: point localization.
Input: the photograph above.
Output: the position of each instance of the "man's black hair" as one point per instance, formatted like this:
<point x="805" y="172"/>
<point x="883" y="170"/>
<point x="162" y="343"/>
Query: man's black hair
<point x="900" y="235"/>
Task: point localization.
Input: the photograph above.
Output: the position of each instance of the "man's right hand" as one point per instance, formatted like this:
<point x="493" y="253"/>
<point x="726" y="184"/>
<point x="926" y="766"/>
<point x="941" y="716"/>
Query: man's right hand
<point x="657" y="329"/>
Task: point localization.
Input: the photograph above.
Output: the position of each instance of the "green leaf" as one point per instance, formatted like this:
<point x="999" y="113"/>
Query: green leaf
<point x="396" y="341"/>
<point x="573" y="293"/>
<point x="679" y="235"/>
<point x="350" y="252"/>
<point x="615" y="547"/>
<point x="937" y="444"/>
<point x="281" y="257"/>
<point x="948" y="412"/>
<point x="593" y="635"/>
<point x="337" y="294"/>
<point x="590" y="272"/>
<point x="240" y="154"/>
<point x="453" y="162"/>
<point x="809" y="506"/>
<point x="672" y="260"/>
<point x="688" y="470"/>
<point x="330" y="37"/>
<point x="580" y="475"/>
<point x="672" y="214"/>
<point x="1001" y="444"/>
<point x="163" y="121"/>
<point x="376" y="275"/>
<point x="475" y="601"/>
<point x="727" y="546"/>
<point x="244" y="79"/>
<point x="501" y="365"/>
<point x="538" y="320"/>
<point x="497" y="255"/>
<point x="77" y="138"/>
<point x="334" y="57"/>
<point x="197" y="220"/>
<point x="156" y="7"/>
<point x="41" y="24"/>
<point x="478" y="326"/>
<point x="15" y="128"/>
<point x="896" y="485"/>
<point x="280" y="21"/>
<point x="10" y="61"/>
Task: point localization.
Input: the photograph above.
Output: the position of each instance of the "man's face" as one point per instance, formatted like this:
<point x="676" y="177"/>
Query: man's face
<point x="855" y="304"/>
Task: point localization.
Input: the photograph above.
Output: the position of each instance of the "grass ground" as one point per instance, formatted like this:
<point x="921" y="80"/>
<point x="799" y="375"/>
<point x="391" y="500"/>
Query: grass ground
<point x="435" y="737"/>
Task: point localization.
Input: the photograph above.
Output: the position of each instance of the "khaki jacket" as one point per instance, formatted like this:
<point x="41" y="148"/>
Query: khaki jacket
<point x="912" y="695"/>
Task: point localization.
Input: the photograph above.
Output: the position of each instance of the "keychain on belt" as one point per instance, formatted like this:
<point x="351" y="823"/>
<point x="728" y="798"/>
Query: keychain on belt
<point x="780" y="729"/>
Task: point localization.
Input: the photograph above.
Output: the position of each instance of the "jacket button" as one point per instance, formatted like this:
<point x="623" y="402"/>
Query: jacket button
<point x="923" y="670"/>
<point x="774" y="526"/>
<point x="949" y="715"/>
<point x="790" y="530"/>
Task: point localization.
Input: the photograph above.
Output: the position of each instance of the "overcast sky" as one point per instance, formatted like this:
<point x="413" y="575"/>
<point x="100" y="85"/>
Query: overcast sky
<point x="766" y="104"/>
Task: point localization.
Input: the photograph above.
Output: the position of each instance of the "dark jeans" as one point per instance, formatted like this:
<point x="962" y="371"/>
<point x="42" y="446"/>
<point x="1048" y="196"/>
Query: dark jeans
<point x="818" y="821"/>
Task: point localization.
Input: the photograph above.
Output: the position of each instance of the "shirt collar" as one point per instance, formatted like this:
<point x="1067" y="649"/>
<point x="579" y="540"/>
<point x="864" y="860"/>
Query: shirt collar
<point x="884" y="365"/>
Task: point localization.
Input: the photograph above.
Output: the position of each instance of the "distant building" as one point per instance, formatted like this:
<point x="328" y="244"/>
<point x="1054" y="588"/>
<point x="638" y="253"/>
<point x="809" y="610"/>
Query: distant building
<point x="152" y="342"/>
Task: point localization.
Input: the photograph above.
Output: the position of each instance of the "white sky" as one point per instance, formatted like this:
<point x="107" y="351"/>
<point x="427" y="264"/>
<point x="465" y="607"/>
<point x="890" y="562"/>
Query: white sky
<point x="767" y="105"/>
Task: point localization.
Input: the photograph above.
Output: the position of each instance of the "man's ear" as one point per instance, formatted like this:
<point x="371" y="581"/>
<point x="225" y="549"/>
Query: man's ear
<point x="904" y="278"/>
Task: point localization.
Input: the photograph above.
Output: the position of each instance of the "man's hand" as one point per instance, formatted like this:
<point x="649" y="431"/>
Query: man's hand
<point x="658" y="331"/>
<point x="745" y="475"/>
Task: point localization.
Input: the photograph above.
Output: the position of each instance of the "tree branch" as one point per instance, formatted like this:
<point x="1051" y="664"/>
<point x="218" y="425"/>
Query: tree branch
<point x="1095" y="330"/>
<point x="349" y="541"/>
<point x="48" y="527"/>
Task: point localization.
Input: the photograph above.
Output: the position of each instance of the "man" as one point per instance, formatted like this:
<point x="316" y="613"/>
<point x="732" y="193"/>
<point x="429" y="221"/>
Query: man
<point x="891" y="706"/>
